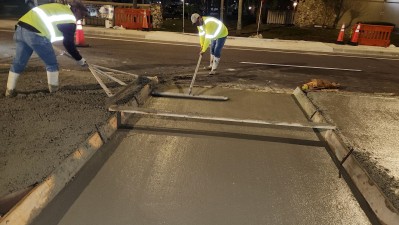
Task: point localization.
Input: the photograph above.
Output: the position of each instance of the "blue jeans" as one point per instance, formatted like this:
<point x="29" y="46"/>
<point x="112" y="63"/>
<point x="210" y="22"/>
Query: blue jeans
<point x="27" y="42"/>
<point x="216" y="46"/>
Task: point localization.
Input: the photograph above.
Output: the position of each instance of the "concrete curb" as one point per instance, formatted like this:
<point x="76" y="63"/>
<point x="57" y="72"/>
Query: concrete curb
<point x="114" y="32"/>
<point x="380" y="51"/>
<point x="41" y="195"/>
<point x="247" y="42"/>
<point x="379" y="203"/>
<point x="272" y="44"/>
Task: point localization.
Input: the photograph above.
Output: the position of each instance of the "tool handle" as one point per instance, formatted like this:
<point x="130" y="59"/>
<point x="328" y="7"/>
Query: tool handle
<point x="195" y="74"/>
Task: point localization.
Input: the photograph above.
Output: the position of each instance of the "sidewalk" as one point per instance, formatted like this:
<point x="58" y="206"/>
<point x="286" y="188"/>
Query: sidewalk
<point x="232" y="41"/>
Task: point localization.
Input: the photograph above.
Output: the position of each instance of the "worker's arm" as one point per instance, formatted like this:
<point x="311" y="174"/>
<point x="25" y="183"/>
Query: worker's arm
<point x="201" y="34"/>
<point x="205" y="45"/>
<point x="68" y="31"/>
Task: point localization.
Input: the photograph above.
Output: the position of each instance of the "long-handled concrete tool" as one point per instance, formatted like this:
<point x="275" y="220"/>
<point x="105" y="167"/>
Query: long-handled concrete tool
<point x="98" y="71"/>
<point x="189" y="95"/>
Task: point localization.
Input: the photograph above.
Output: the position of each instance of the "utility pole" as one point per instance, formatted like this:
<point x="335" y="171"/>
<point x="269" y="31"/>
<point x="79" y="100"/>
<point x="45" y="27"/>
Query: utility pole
<point x="260" y="16"/>
<point x="239" y="17"/>
<point x="221" y="10"/>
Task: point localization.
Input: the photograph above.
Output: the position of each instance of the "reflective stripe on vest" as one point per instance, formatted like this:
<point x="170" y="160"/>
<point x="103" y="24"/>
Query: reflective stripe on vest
<point x="220" y="25"/>
<point x="202" y="31"/>
<point x="49" y="20"/>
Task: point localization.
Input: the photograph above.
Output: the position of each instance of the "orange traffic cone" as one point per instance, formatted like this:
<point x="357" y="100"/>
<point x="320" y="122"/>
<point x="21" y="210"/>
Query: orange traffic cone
<point x="145" y="22"/>
<point x="79" y="35"/>
<point x="355" y="36"/>
<point x="341" y="34"/>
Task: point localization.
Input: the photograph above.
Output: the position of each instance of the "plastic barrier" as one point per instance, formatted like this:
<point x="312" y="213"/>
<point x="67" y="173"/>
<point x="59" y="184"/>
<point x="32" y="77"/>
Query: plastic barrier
<point x="374" y="35"/>
<point x="133" y="18"/>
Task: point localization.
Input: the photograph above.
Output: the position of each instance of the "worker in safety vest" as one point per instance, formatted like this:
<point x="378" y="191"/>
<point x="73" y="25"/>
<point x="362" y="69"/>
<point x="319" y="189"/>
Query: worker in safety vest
<point x="35" y="31"/>
<point x="211" y="31"/>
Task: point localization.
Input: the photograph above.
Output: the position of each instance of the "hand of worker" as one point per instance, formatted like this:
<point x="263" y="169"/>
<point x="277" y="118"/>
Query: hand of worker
<point x="82" y="62"/>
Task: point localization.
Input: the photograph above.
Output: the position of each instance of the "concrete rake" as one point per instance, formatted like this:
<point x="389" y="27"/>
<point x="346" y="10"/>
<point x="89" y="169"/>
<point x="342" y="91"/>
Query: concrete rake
<point x="190" y="95"/>
<point x="98" y="71"/>
<point x="101" y="71"/>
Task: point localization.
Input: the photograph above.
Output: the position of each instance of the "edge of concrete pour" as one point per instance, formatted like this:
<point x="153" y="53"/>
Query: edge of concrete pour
<point x="385" y="212"/>
<point x="31" y="205"/>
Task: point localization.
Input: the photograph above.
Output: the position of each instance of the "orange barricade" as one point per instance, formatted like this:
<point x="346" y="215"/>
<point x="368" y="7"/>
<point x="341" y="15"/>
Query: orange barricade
<point x="374" y="35"/>
<point x="133" y="18"/>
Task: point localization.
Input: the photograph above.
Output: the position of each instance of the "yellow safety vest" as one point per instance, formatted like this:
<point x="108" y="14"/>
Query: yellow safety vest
<point x="212" y="29"/>
<point x="45" y="19"/>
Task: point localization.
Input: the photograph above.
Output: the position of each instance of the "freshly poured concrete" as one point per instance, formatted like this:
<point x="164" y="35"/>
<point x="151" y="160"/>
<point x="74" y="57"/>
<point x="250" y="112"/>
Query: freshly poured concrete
<point x="183" y="172"/>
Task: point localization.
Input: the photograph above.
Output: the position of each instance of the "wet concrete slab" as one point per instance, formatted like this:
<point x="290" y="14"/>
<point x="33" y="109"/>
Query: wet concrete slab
<point x="184" y="172"/>
<point x="370" y="125"/>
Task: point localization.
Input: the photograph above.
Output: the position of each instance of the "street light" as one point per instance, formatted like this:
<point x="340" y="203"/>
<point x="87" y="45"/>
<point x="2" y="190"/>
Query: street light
<point x="294" y="4"/>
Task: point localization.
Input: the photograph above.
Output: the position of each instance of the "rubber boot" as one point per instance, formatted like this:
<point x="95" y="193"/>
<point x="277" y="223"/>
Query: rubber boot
<point x="214" y="66"/>
<point x="52" y="80"/>
<point x="210" y="62"/>
<point x="11" y="84"/>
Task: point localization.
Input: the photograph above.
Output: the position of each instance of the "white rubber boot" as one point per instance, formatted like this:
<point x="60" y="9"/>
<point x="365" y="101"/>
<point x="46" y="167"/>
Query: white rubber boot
<point x="11" y="84"/>
<point x="214" y="66"/>
<point x="211" y="62"/>
<point x="52" y="80"/>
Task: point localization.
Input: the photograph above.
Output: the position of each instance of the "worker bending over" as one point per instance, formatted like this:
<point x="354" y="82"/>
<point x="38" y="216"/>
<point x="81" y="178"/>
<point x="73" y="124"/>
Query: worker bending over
<point x="211" y="31"/>
<point x="35" y="31"/>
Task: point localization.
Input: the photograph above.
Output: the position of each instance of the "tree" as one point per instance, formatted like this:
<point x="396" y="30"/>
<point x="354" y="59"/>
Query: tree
<point x="340" y="7"/>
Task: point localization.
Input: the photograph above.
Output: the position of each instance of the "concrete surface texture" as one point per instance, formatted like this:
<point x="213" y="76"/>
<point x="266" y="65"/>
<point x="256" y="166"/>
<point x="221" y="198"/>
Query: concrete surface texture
<point x="39" y="130"/>
<point x="184" y="172"/>
<point x="371" y="126"/>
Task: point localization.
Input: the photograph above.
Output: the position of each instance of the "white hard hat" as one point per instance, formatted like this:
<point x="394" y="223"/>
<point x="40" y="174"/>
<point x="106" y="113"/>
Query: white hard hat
<point x="194" y="17"/>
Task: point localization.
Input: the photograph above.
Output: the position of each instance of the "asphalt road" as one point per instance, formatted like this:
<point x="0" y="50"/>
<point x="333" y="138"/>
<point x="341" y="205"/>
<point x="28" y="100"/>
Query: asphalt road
<point x="375" y="75"/>
<point x="274" y="69"/>
<point x="184" y="172"/>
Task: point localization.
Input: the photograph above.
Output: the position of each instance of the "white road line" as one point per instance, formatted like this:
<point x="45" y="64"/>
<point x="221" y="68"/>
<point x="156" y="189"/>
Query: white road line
<point x="332" y="54"/>
<point x="311" y="67"/>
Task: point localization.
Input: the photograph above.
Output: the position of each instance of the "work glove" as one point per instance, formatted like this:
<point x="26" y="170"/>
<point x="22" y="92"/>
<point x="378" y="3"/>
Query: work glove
<point x="82" y="62"/>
